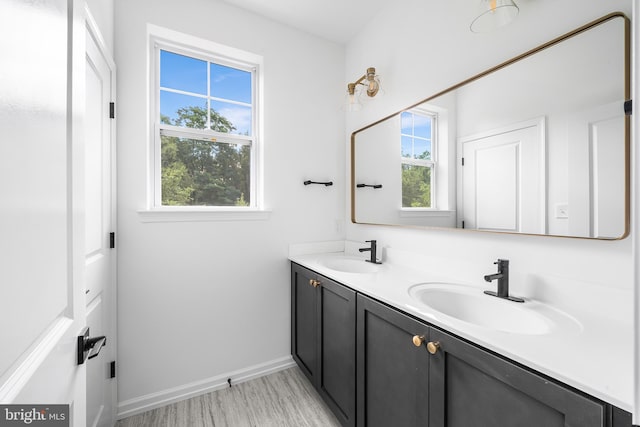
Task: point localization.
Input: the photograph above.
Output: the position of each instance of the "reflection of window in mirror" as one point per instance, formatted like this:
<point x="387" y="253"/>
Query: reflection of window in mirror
<point x="418" y="155"/>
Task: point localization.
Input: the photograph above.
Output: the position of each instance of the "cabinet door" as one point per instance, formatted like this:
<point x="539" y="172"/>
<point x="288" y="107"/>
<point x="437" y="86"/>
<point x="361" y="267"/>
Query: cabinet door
<point x="392" y="373"/>
<point x="337" y="346"/>
<point x="472" y="387"/>
<point x="304" y="325"/>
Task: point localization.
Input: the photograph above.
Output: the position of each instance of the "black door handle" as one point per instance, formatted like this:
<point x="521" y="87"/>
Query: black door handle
<point x="95" y="345"/>
<point x="88" y="348"/>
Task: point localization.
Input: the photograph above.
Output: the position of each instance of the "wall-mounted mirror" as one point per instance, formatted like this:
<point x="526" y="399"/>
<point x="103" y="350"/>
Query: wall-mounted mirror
<point x="536" y="145"/>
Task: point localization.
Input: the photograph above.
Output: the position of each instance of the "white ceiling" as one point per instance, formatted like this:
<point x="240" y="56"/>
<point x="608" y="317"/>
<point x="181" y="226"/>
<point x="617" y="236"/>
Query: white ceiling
<point x="336" y="20"/>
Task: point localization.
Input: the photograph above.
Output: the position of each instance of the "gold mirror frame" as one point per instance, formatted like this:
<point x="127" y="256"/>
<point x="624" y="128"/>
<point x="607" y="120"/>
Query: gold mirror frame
<point x="627" y="127"/>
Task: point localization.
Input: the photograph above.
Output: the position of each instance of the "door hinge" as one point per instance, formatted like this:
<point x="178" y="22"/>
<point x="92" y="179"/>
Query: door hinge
<point x="463" y="161"/>
<point x="112" y="110"/>
<point x="628" y="107"/>
<point x="112" y="240"/>
<point x="112" y="369"/>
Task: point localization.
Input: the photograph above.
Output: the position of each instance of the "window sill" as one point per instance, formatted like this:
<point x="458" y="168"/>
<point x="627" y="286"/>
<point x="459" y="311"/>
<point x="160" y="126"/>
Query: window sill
<point x="202" y="215"/>
<point x="419" y="213"/>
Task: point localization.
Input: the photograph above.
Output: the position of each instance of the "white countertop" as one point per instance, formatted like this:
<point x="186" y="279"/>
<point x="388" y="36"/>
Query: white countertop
<point x="595" y="357"/>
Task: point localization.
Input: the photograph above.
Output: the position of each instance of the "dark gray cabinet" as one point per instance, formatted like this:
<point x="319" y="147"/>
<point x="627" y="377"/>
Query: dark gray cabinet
<point x="471" y="386"/>
<point x="379" y="367"/>
<point x="304" y="321"/>
<point x="393" y="373"/>
<point x="323" y="338"/>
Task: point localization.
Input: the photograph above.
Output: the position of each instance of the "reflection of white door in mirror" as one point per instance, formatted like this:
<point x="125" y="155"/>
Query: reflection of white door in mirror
<point x="596" y="150"/>
<point x="503" y="179"/>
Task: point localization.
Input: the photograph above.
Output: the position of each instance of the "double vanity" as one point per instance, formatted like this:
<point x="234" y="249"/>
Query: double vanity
<point x="394" y="345"/>
<point x="427" y="341"/>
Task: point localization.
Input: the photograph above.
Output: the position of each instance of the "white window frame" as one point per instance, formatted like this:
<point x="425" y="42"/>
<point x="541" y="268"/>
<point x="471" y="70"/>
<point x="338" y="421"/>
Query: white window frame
<point x="432" y="163"/>
<point x="183" y="44"/>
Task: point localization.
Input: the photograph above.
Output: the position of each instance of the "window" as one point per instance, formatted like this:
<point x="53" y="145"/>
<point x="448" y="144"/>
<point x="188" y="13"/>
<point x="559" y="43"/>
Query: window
<point x="418" y="158"/>
<point x="205" y="147"/>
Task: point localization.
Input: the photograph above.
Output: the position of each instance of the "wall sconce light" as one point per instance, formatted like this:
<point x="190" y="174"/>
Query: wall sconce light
<point x="372" y="84"/>
<point x="493" y="14"/>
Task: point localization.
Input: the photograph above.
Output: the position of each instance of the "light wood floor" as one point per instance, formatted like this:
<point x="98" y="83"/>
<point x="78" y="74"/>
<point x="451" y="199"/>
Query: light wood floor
<point x="281" y="399"/>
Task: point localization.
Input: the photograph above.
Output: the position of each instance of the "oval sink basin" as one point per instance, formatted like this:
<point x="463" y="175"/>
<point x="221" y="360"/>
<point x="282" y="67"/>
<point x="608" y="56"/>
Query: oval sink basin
<point x="472" y="306"/>
<point x="350" y="265"/>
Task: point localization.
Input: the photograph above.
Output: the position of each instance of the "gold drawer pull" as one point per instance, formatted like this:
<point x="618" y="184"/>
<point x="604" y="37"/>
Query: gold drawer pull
<point x="418" y="340"/>
<point x="433" y="347"/>
<point x="314" y="283"/>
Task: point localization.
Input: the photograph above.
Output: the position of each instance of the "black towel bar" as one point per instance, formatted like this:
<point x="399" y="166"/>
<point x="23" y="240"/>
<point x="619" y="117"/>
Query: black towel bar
<point x="369" y="185"/>
<point x="326" y="184"/>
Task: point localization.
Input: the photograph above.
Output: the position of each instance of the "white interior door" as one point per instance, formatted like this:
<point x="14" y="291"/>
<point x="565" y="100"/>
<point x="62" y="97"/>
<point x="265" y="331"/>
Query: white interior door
<point x="503" y="179"/>
<point x="42" y="308"/>
<point x="99" y="207"/>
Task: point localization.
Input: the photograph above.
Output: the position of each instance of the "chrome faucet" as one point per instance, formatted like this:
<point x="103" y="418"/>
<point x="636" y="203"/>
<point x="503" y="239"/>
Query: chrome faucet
<point x="373" y="249"/>
<point x="503" y="281"/>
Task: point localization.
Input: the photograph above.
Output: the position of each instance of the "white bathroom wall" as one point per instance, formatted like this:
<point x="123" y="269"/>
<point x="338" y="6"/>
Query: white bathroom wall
<point x="420" y="48"/>
<point x="198" y="301"/>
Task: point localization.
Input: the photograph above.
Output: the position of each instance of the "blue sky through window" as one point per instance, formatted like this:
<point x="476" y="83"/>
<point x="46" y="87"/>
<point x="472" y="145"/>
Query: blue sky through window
<point x="415" y="135"/>
<point x="230" y="83"/>
<point x="229" y="92"/>
<point x="183" y="73"/>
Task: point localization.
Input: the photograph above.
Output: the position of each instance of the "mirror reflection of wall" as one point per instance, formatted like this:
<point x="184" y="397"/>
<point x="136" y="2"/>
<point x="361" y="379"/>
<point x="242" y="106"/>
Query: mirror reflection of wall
<point x="543" y="141"/>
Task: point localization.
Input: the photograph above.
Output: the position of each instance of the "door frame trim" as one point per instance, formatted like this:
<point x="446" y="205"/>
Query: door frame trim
<point x="92" y="29"/>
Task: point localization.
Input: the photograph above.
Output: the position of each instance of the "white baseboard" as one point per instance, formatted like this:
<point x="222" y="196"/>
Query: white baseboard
<point x="162" y="398"/>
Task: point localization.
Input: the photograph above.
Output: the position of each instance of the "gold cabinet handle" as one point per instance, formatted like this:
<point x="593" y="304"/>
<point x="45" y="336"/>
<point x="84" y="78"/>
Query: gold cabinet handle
<point x="314" y="283"/>
<point x="433" y="347"/>
<point x="418" y="340"/>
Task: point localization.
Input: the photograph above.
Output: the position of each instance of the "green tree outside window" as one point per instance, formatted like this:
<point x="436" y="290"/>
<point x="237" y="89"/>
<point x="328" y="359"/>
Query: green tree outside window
<point x="203" y="173"/>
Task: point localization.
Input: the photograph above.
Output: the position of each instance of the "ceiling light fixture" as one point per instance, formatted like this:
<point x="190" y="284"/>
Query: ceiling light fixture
<point x="372" y="84"/>
<point x="493" y="14"/>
